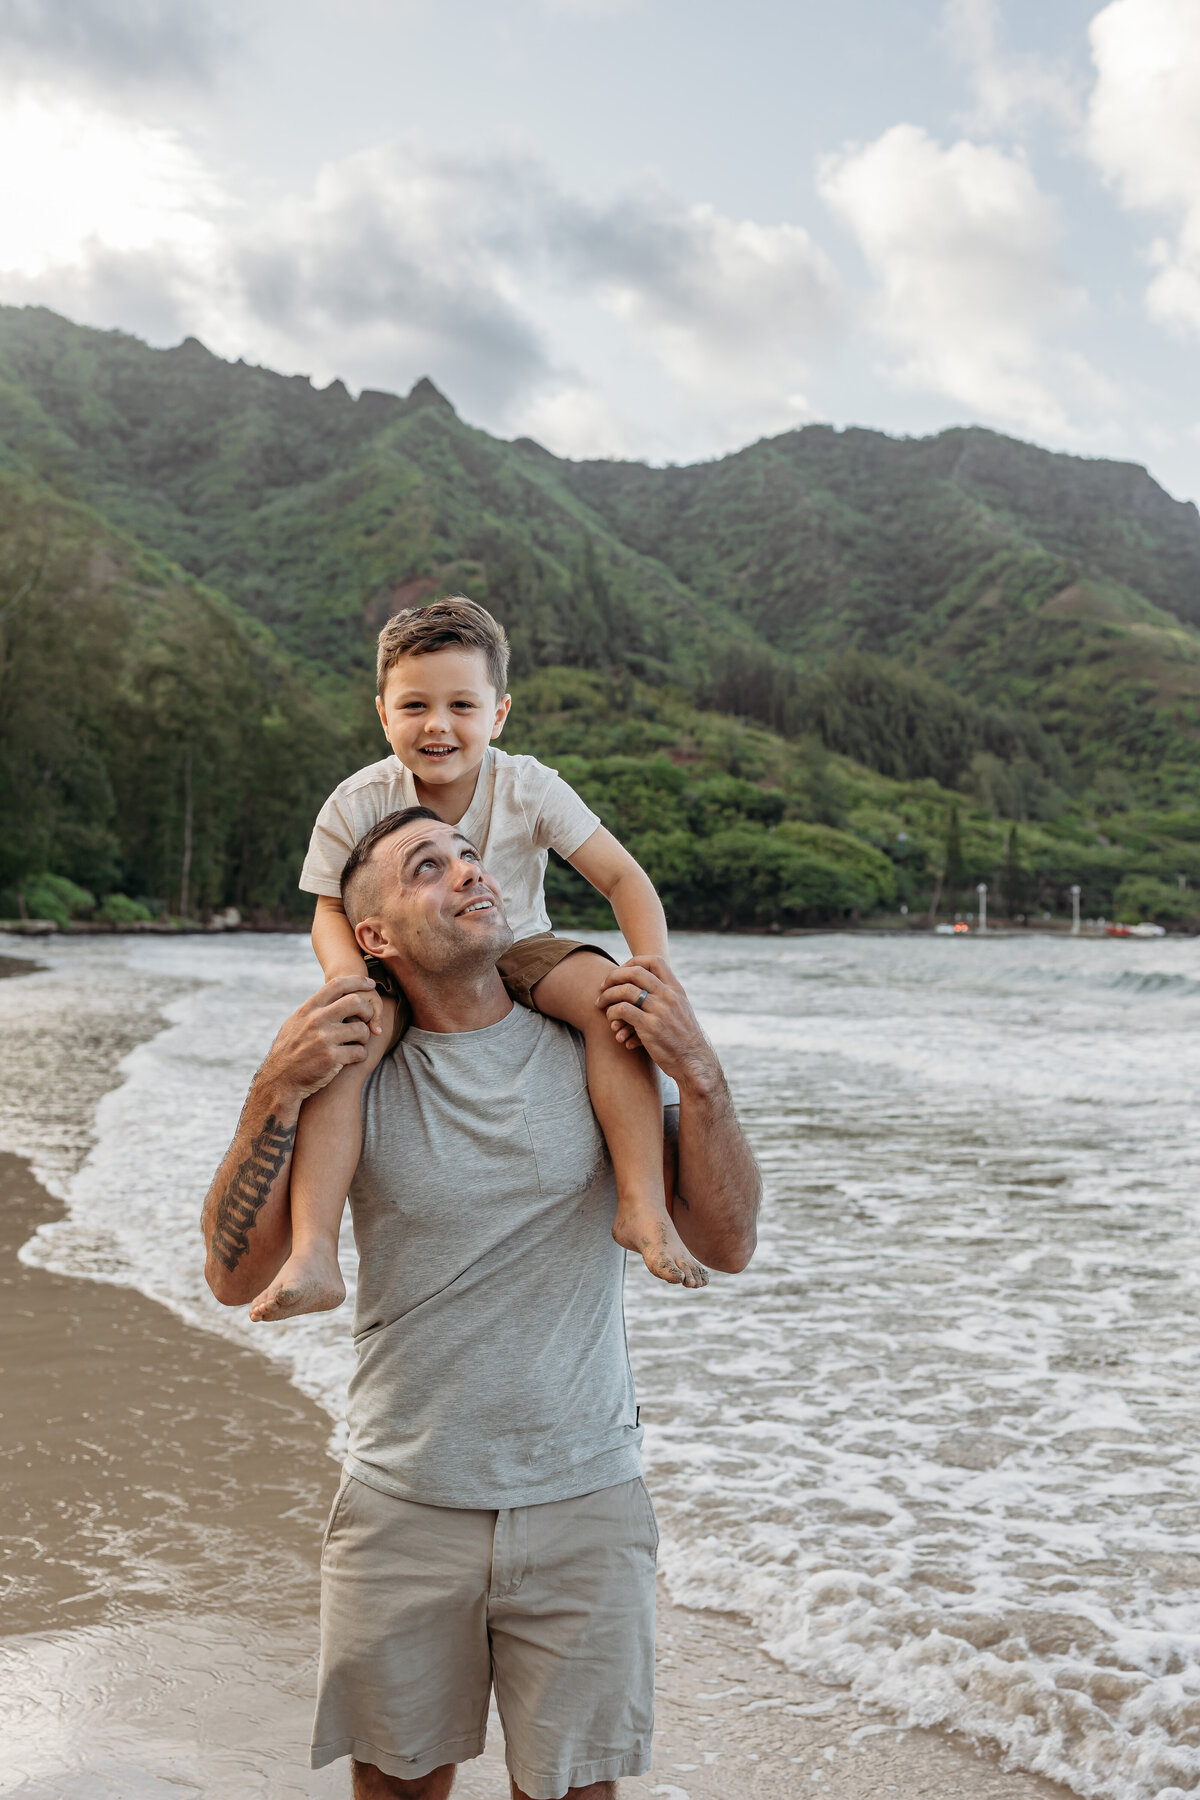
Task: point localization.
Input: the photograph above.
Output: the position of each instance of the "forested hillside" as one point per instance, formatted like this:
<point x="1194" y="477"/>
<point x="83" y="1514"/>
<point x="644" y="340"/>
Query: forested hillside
<point x="833" y="673"/>
<point x="152" y="741"/>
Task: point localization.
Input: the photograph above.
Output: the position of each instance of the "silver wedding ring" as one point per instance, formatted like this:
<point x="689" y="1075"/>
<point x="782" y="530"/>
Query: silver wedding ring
<point x="642" y="997"/>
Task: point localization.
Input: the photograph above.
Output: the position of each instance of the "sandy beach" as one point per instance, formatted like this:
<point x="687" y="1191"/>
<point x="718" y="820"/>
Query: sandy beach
<point x="162" y="1498"/>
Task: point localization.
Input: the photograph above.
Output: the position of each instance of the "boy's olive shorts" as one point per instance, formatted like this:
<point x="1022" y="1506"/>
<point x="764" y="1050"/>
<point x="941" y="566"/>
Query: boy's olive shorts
<point x="425" y="1608"/>
<point x="521" y="968"/>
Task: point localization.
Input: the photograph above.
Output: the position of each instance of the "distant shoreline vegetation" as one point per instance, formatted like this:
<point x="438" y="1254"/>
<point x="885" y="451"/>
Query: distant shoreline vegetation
<point x="827" y="678"/>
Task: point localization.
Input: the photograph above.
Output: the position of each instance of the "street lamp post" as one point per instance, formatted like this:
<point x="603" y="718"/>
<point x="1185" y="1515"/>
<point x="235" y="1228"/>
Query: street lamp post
<point x="981" y="890"/>
<point x="1075" y="909"/>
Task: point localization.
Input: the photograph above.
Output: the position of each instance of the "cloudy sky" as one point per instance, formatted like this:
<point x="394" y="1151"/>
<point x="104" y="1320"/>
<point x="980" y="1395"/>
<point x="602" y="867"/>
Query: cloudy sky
<point x="653" y="228"/>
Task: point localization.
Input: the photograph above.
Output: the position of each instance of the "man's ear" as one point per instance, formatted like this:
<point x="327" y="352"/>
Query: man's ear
<point x="502" y="711"/>
<point x="371" y="940"/>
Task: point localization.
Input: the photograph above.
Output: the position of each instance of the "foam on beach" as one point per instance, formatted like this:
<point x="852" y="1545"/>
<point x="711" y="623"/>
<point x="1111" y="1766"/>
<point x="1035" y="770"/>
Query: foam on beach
<point x="940" y="1441"/>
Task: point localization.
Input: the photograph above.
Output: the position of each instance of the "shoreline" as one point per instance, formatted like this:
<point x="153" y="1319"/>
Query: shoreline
<point x="163" y="1506"/>
<point x="888" y="926"/>
<point x="18" y="965"/>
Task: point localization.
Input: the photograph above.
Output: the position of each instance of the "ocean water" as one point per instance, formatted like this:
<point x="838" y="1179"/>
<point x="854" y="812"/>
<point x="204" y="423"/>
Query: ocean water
<point x="941" y="1441"/>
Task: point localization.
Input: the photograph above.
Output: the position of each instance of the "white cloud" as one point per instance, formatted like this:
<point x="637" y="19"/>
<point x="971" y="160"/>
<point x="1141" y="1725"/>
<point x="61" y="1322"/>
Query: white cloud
<point x="588" y="9"/>
<point x="481" y="270"/>
<point x="971" y="288"/>
<point x="399" y="263"/>
<point x="731" y="309"/>
<point x="1143" y="132"/>
<point x="453" y="257"/>
<point x="1008" y="89"/>
<point x="110" y="220"/>
<point x="572" y="419"/>
<point x="81" y="177"/>
<point x="118" y="43"/>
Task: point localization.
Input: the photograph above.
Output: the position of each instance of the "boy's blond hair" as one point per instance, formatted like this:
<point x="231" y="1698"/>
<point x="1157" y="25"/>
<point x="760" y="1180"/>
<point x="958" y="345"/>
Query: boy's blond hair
<point x="457" y="623"/>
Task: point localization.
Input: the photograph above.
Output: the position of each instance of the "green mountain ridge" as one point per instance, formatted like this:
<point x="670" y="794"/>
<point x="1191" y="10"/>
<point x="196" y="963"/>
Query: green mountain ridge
<point x="882" y="526"/>
<point x="311" y="509"/>
<point x="1015" y="629"/>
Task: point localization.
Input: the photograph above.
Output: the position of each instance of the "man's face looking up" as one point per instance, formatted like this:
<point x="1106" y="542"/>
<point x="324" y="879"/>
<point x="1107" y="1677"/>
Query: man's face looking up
<point x="429" y="901"/>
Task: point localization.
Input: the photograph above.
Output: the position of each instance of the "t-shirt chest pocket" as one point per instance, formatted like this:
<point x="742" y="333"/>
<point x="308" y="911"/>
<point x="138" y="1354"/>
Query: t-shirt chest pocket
<point x="567" y="1145"/>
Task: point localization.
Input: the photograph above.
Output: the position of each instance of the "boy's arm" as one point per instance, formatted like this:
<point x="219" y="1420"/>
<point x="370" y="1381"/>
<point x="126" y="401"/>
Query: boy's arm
<point x="246" y="1219"/>
<point x="336" y="948"/>
<point x="334" y="943"/>
<point x="718" y="1184"/>
<point x="627" y="888"/>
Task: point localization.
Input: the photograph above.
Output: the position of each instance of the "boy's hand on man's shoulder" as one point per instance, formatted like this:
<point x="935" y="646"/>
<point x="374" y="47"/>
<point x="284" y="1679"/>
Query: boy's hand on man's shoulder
<point x="664" y="1021"/>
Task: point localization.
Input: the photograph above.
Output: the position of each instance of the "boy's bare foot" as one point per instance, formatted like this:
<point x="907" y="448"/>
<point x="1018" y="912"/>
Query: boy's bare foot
<point x="648" y="1230"/>
<point x="307" y="1283"/>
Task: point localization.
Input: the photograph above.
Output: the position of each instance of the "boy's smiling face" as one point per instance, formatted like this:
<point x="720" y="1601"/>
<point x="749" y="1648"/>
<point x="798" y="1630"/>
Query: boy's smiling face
<point x="440" y="712"/>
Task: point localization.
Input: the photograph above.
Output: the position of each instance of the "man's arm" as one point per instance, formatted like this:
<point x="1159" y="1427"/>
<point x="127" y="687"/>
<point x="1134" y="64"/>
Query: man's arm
<point x="718" y="1187"/>
<point x="246" y="1219"/>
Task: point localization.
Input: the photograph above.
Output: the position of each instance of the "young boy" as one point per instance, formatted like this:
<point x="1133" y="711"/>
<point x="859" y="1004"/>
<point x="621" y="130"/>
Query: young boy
<point x="442" y="677"/>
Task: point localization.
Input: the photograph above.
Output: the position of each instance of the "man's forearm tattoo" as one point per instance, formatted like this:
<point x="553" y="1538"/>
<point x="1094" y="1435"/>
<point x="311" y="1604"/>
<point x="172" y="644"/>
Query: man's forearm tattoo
<point x="249" y="1191"/>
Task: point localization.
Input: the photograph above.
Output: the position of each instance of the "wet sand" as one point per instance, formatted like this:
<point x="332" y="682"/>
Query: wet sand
<point x="161" y="1500"/>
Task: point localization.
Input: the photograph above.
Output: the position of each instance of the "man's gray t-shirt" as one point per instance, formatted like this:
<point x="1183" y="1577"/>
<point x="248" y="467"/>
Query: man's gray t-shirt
<point x="489" y="1329"/>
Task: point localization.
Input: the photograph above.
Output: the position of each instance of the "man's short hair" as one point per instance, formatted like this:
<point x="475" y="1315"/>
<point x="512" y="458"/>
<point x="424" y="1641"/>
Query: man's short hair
<point x="360" y="857"/>
<point x="457" y="623"/>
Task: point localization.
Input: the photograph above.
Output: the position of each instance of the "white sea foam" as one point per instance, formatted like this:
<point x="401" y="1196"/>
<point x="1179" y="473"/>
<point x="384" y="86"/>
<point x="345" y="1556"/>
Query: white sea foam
<point x="941" y="1439"/>
<point x="134" y="1204"/>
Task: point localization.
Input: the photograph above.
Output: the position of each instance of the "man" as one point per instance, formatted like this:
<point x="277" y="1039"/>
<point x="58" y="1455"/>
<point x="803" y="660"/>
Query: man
<point x="492" y="1526"/>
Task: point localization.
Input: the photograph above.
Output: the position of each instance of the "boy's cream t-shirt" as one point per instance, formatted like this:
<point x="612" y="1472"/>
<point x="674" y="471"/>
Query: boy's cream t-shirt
<point x="520" y="810"/>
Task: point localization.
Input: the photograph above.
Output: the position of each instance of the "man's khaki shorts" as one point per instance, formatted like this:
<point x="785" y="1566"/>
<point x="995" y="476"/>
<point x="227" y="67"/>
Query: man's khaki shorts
<point x="521" y="968"/>
<point x="423" y="1608"/>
